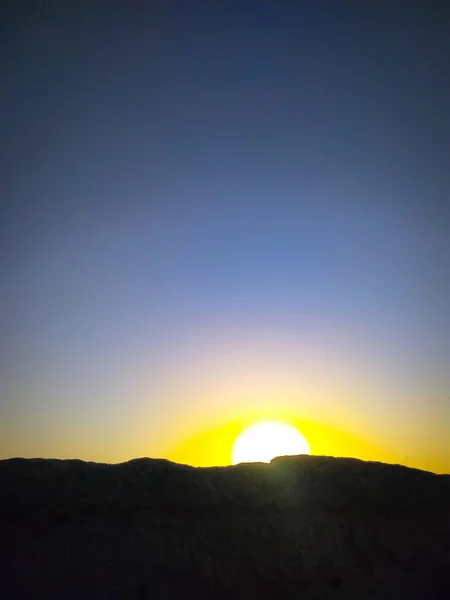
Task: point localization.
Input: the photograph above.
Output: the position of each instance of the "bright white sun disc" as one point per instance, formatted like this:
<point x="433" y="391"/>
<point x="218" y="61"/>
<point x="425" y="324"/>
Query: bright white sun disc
<point x="264" y="441"/>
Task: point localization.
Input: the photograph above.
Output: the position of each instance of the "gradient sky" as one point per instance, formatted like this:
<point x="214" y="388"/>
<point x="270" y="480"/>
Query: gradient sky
<point x="221" y="210"/>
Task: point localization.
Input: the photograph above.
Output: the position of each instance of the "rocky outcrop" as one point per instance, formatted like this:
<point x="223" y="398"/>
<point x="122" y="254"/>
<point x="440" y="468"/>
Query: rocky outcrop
<point x="301" y="527"/>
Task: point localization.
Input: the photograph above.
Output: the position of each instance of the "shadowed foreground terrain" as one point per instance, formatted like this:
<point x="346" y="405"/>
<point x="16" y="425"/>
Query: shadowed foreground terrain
<point x="305" y="527"/>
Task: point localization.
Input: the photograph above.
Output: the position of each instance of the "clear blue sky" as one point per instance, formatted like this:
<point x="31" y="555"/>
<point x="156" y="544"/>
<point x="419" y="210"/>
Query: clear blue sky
<point x="201" y="192"/>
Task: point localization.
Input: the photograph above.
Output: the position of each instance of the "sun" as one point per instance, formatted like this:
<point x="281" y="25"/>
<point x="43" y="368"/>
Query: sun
<point x="263" y="441"/>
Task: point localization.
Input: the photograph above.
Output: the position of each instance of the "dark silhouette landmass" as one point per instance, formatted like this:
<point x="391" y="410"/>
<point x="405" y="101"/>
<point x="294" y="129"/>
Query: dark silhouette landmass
<point x="304" y="528"/>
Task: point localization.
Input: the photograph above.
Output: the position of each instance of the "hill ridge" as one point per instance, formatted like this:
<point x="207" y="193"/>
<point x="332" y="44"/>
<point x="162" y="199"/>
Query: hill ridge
<point x="319" y="528"/>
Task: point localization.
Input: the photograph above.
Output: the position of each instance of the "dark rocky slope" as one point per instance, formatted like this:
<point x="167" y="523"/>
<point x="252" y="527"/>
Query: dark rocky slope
<point x="311" y="528"/>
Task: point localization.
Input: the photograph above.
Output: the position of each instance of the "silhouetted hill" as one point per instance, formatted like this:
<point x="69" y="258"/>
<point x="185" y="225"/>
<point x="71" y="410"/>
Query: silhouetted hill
<point x="305" y="527"/>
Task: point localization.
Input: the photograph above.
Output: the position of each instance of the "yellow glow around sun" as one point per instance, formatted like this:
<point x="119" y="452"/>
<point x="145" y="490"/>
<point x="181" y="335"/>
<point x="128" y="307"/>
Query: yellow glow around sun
<point x="263" y="441"/>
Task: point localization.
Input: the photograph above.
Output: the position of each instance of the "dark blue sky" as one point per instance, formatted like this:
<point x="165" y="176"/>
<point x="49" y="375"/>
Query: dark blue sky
<point x="177" y="174"/>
